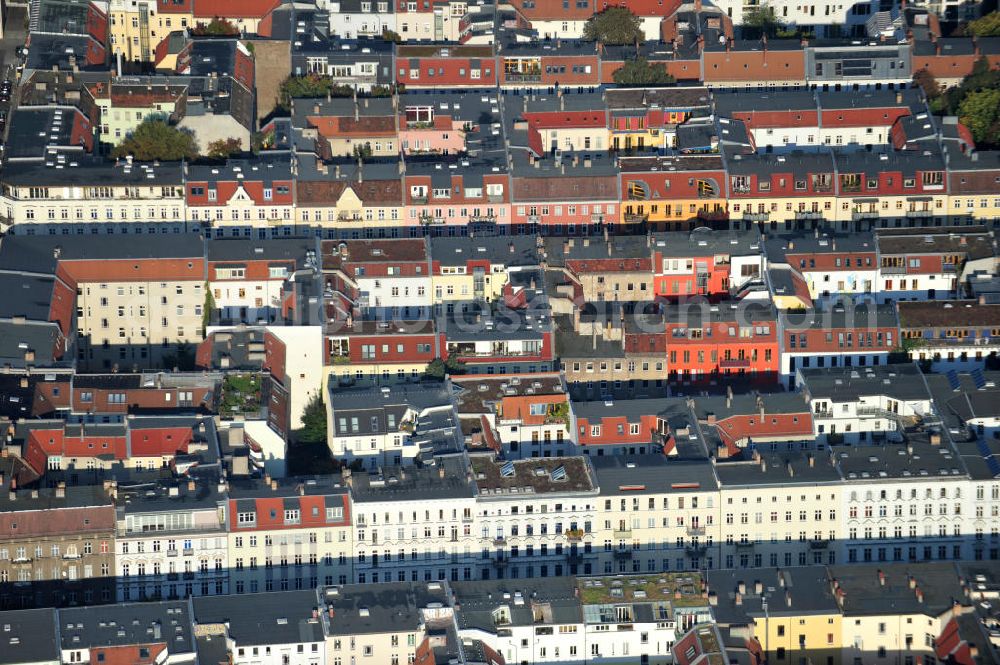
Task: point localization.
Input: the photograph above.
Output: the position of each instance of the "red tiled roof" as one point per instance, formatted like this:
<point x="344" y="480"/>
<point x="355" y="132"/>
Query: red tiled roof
<point x="234" y="8"/>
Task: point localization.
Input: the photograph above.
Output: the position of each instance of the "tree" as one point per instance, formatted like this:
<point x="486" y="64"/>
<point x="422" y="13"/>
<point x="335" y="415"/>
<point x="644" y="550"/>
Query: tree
<point x="313" y="422"/>
<point x="760" y="21"/>
<point x="614" y="26"/>
<point x="224" y="148"/>
<point x="642" y="72"/>
<point x="391" y="36"/>
<point x="437" y="368"/>
<point x="979" y="112"/>
<point x="310" y="86"/>
<point x="216" y="27"/>
<point x="925" y="79"/>
<point x="207" y="310"/>
<point x="262" y="141"/>
<point x="183" y="360"/>
<point x="987" y="26"/>
<point x="154" y="139"/>
<point x="363" y="151"/>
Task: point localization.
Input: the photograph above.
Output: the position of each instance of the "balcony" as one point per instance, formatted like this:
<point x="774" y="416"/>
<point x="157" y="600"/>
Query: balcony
<point x="819" y="543"/>
<point x="188" y="551"/>
<point x="823" y="414"/>
<point x="808" y="214"/>
<point x="420" y="199"/>
<point x="734" y="363"/>
<point x="575" y="535"/>
<point x="514" y="77"/>
<point x="745" y="544"/>
<point x="755" y="216"/>
<point x="501" y="562"/>
<point x="696" y="550"/>
<point x="875" y="411"/>
<point x="859" y="215"/>
<point x="636" y="219"/>
<point x="499" y="541"/>
<point x="919" y="213"/>
<point x="623" y="555"/>
<point x="172" y="552"/>
<point x="622" y="534"/>
<point x="893" y="270"/>
<point x="494" y="198"/>
<point x="696" y="531"/>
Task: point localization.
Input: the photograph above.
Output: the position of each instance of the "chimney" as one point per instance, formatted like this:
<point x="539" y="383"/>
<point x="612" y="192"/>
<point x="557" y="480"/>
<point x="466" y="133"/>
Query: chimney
<point x="899" y="97"/>
<point x="881" y="577"/>
<point x="61" y="490"/>
<point x="788" y="598"/>
<point x="758" y="587"/>
<point x="911" y="581"/>
<point x="741" y="587"/>
<point x="13" y="489"/>
<point x="713" y="598"/>
<point x="316" y="108"/>
<point x="812" y="460"/>
<point x="191" y="485"/>
<point x="274" y="485"/>
<point x="697" y="6"/>
<point x="441" y="472"/>
<point x="739" y="599"/>
<point x="920" y="594"/>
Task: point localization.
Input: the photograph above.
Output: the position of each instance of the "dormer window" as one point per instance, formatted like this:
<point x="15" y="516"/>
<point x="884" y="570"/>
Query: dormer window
<point x="267" y="193"/>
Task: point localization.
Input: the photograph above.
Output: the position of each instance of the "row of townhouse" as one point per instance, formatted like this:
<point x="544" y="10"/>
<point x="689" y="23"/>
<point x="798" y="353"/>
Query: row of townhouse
<point x="695" y="42"/>
<point x="556" y="190"/>
<point x="641" y="485"/>
<point x="606" y="313"/>
<point x="835" y="613"/>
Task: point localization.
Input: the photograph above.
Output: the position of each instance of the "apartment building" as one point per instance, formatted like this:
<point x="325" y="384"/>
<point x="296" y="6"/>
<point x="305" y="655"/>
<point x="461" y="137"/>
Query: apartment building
<point x="241" y="196"/>
<point x="101" y="195"/>
<point x="272" y="633"/>
<point x="171" y="541"/>
<point x="391" y="425"/>
<point x="656" y="514"/>
<point x="855" y="404"/>
<point x="788" y="612"/>
<point x="381" y="352"/>
<point x="949" y="334"/>
<point x="390" y="278"/>
<point x="842" y="337"/>
<point x="779" y="508"/>
<point x="393" y="625"/>
<point x="415" y="524"/>
<point x="524" y="416"/>
<point x="57" y="547"/>
<point x="288" y="534"/>
<point x="138" y="299"/>
<point x="553" y="535"/>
